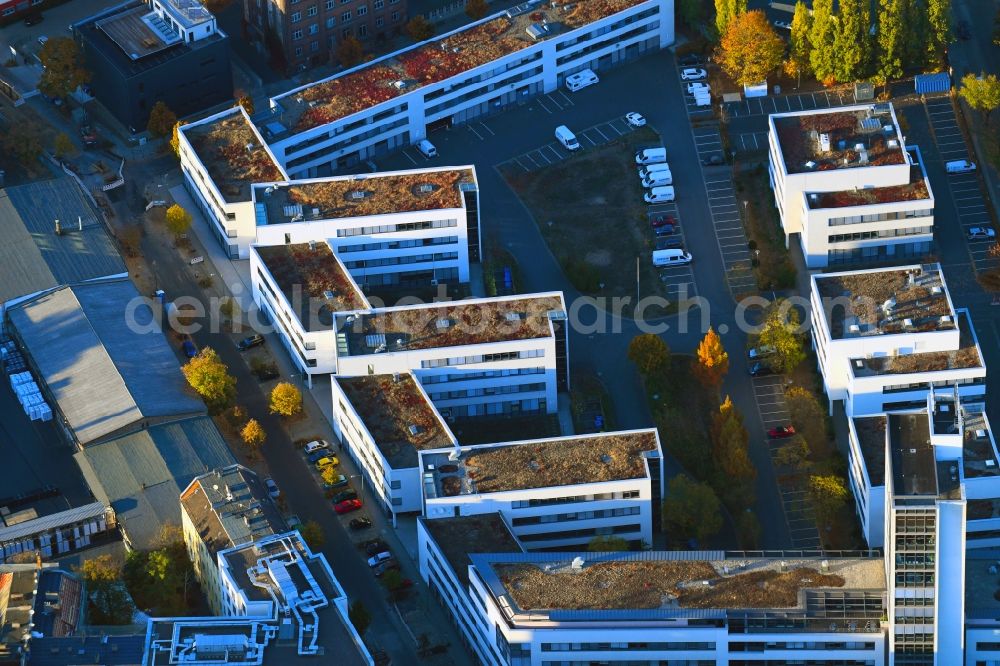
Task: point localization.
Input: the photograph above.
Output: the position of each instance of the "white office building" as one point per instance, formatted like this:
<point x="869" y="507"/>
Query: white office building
<point x="845" y="182"/>
<point x="468" y="73"/>
<point x="221" y="157"/>
<point x="383" y="421"/>
<point x="554" y="493"/>
<point x="394" y="228"/>
<point x="884" y="337"/>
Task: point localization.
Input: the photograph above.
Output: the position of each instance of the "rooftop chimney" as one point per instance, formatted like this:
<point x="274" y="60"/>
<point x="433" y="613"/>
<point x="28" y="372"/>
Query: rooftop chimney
<point x="58" y="228"/>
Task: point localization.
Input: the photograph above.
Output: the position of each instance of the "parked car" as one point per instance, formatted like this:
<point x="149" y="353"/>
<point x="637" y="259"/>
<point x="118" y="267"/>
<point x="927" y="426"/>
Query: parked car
<point x="33" y="19"/>
<point x="293" y="521"/>
<point x="385" y="566"/>
<point x="689" y="60"/>
<point x="327" y="461"/>
<point x="669" y="243"/>
<point x="189" y="349"/>
<point x="693" y="88"/>
<point x="635" y="119"/>
<point x="316" y="445"/>
<point x="344" y="496"/>
<point x="250" y="342"/>
<point x="662" y="220"/>
<point x="783" y="25"/>
<point x="781" y="432"/>
<point x="427" y="148"/>
<point x="713" y="160"/>
<point x="760" y="369"/>
<point x="379" y="558"/>
<point x="87" y="136"/>
<point x="375" y="546"/>
<point x="665" y="230"/>
<point x="982" y="233"/>
<point x="316" y="456"/>
<point x="339" y="482"/>
<point x="693" y="74"/>
<point x="360" y="523"/>
<point x="959" y="166"/>
<point x="347" y="506"/>
<point x="757" y="353"/>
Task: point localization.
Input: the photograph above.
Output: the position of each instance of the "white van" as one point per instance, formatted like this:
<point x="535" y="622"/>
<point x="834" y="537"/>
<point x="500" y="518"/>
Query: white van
<point x="567" y="138"/>
<point x="959" y="166"/>
<point x="651" y="156"/>
<point x="702" y="99"/>
<point x="653" y="168"/>
<point x="580" y="80"/>
<point x="658" y="179"/>
<point x="664" y="194"/>
<point x="675" y="257"/>
<point x="427" y="149"/>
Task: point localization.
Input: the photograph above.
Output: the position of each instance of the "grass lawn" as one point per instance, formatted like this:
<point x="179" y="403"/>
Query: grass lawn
<point x="773" y="267"/>
<point x="591" y="213"/>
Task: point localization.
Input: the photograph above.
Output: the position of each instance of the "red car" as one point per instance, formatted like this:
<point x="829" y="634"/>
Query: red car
<point x="781" y="432"/>
<point x="662" y="221"/>
<point x="347" y="506"/>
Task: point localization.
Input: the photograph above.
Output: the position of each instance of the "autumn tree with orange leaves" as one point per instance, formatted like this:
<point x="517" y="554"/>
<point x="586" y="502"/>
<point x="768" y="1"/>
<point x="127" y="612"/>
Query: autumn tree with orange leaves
<point x="711" y="362"/>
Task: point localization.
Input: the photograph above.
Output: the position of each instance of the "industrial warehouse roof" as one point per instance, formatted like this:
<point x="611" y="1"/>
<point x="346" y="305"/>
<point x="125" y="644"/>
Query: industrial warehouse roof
<point x="33" y="257"/>
<point x="141" y="475"/>
<point x="104" y="373"/>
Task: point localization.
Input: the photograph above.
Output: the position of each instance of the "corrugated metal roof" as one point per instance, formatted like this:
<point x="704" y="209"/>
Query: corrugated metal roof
<point x="68" y="517"/>
<point x="926" y="84"/>
<point x="142" y="475"/>
<point x="104" y="373"/>
<point x="32" y="257"/>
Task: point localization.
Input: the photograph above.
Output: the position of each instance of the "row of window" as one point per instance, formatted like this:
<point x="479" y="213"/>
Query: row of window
<point x="393" y="228"/>
<point x="485" y="374"/>
<point x="573" y="499"/>
<point x="576" y="515"/>
<point x="761" y="646"/>
<point x="361" y="9"/>
<point x="397" y="261"/>
<point x="880" y="217"/>
<point x="882" y="233"/>
<point x="397" y="245"/>
<point x="489" y="390"/>
<point x="482" y="358"/>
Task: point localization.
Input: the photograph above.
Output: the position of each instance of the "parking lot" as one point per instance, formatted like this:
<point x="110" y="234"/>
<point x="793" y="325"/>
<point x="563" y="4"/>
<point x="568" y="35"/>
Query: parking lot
<point x="748" y="141"/>
<point x="763" y="106"/>
<point x="678" y="281"/>
<point x="553" y="152"/>
<point x="722" y="204"/>
<point x="966" y="191"/>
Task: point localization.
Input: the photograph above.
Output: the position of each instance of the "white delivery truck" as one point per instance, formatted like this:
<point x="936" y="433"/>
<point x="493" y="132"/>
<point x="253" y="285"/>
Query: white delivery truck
<point x="674" y="257"/>
<point x="664" y="194"/>
<point x="651" y="156"/>
<point x="567" y="138"/>
<point x="581" y="79"/>
<point x="658" y="179"/>
<point x="652" y="168"/>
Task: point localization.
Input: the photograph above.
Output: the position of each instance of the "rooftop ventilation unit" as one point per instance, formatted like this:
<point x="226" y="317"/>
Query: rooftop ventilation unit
<point x="824" y="142"/>
<point x="426" y="188"/>
<point x="514" y="316"/>
<point x="892" y="143"/>
<point x="250" y="146"/>
<point x="328" y="295"/>
<point x="908" y="323"/>
<point x="859" y="363"/>
<point x="414" y="429"/>
<point x="870" y="124"/>
<point x="357" y="194"/>
<point x="858" y="147"/>
<point x="399" y="85"/>
<point x="888" y="305"/>
<point x="881" y="109"/>
<point x="945" y="319"/>
<point x="980" y="434"/>
<point x="454" y="455"/>
<point x="810" y="165"/>
<point x="396" y="377"/>
<point x="443" y="324"/>
<point x="863" y="156"/>
<point x="312" y="245"/>
<point x="854" y="328"/>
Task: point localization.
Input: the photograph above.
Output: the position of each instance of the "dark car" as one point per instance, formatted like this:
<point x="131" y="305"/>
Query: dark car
<point x="344" y="496"/>
<point x="388" y="565"/>
<point x="32" y="19"/>
<point x="665" y="230"/>
<point x="250" y="342"/>
<point x="669" y="243"/>
<point x="662" y="220"/>
<point x="689" y="60"/>
<point x="376" y="546"/>
<point x="189" y="349"/>
<point x="362" y="523"/>
<point x="713" y="160"/>
<point x="761" y="370"/>
<point x="314" y="457"/>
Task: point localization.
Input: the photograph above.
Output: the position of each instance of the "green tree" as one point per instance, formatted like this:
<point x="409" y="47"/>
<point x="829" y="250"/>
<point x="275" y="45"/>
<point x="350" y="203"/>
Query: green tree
<point x="350" y="52"/>
<point x="691" y="12"/>
<point x="419" y="28"/>
<point x="253" y="434"/>
<point x="711" y="362"/>
<point x="914" y="42"/>
<point x="691" y="510"/>
<point x="286" y="399"/>
<point x="63" y="69"/>
<point x="161" y="120"/>
<point x="476" y="9"/>
<point x="793" y="453"/>
<point x="809" y="420"/>
<point x="891" y="38"/>
<point x="158" y="566"/>
<point x="649" y="353"/>
<point x="822" y="56"/>
<point x="726" y="11"/>
<point x="852" y="43"/>
<point x="178" y="220"/>
<point x="799" y="46"/>
<point x="938" y="31"/>
<point x="22" y="141"/>
<point x="607" y="544"/>
<point x="828" y="493"/>
<point x="780" y="332"/>
<point x="982" y="93"/>
<point x="748" y="531"/>
<point x="64" y="145"/>
<point x="730" y="441"/>
<point x="750" y="49"/>
<point x="313" y="535"/>
<point x="109" y="601"/>
<point x="210" y="378"/>
<point x="359" y="616"/>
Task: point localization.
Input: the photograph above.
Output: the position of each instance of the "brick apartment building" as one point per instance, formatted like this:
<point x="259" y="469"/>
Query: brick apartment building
<point x="310" y="30"/>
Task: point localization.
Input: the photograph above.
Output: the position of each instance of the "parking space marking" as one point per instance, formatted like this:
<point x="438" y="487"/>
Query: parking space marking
<point x="566" y="99"/>
<point x="542" y="104"/>
<point x="408" y="156"/>
<point x="473" y="130"/>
